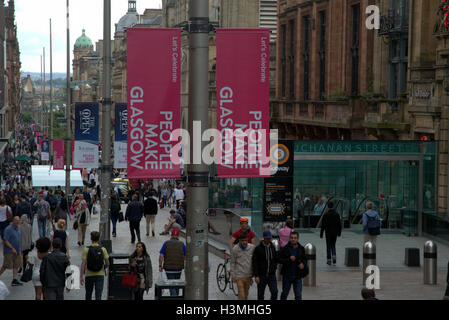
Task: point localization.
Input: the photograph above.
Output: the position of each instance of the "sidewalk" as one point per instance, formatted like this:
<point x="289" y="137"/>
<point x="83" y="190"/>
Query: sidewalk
<point x="333" y="282"/>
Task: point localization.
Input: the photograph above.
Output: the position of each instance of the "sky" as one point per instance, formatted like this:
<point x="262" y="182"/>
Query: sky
<point x="33" y="27"/>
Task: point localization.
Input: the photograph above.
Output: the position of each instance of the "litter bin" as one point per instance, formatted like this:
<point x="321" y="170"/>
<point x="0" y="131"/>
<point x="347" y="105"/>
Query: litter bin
<point x="169" y="284"/>
<point x="116" y="272"/>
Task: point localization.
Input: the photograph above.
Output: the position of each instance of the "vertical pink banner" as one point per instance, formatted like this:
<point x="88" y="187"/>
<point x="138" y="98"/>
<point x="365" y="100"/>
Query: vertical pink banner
<point x="58" y="154"/>
<point x="154" y="101"/>
<point x="243" y="97"/>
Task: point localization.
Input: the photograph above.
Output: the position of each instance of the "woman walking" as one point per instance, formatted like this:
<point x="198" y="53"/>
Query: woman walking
<point x="34" y="260"/>
<point x="26" y="231"/>
<point x="82" y="216"/>
<point x="140" y="264"/>
<point x="60" y="233"/>
<point x="115" y="212"/>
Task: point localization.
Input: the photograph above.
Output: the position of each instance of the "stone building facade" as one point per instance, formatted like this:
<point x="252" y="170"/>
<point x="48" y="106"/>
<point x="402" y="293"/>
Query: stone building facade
<point x="324" y="65"/>
<point x="10" y="80"/>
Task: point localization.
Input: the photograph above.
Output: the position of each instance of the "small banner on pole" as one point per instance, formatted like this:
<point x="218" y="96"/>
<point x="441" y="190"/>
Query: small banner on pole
<point x="121" y="135"/>
<point x="58" y="154"/>
<point x="45" y="156"/>
<point x="243" y="96"/>
<point x="154" y="101"/>
<point x="86" y="135"/>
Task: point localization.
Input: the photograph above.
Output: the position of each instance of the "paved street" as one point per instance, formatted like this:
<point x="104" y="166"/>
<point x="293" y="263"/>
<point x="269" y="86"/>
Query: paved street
<point x="333" y="283"/>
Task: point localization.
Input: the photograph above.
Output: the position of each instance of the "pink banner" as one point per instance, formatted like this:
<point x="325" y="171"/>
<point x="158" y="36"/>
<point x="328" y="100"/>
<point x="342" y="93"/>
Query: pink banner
<point x="58" y="154"/>
<point x="154" y="101"/>
<point x="243" y="96"/>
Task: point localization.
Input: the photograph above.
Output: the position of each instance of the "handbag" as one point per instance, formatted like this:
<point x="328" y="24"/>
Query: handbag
<point x="120" y="217"/>
<point x="27" y="274"/>
<point x="75" y="225"/>
<point x="129" y="280"/>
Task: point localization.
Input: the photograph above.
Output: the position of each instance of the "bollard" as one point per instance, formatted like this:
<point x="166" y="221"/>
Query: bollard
<point x="277" y="246"/>
<point x="369" y="258"/>
<point x="430" y="263"/>
<point x="310" y="280"/>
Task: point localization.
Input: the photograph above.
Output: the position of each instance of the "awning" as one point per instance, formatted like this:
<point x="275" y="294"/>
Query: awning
<point x="42" y="176"/>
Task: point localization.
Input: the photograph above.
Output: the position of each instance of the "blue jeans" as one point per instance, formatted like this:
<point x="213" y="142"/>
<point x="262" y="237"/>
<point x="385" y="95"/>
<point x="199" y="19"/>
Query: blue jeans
<point x="287" y="282"/>
<point x="98" y="282"/>
<point x="173" y="275"/>
<point x="114" y="224"/>
<point x="331" y="247"/>
<point x="272" y="285"/>
<point x="42" y="227"/>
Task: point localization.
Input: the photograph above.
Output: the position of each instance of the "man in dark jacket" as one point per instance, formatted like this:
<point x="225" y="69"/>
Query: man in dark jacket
<point x="134" y="213"/>
<point x="264" y="267"/>
<point x="331" y="224"/>
<point x="150" y="212"/>
<point x="294" y="267"/>
<point x="172" y="258"/>
<point x="53" y="272"/>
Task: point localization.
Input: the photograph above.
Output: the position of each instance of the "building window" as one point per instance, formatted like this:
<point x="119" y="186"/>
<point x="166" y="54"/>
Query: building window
<point x="289" y="109"/>
<point x="322" y="53"/>
<point x="355" y="50"/>
<point x="283" y="58"/>
<point x="292" y="59"/>
<point x="303" y="109"/>
<point x="398" y="39"/>
<point x="305" y="55"/>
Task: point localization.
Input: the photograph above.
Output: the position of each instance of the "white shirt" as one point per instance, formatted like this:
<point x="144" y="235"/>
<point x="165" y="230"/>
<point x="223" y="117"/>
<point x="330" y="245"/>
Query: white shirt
<point x="92" y="176"/>
<point x="3" y="216"/>
<point x="179" y="194"/>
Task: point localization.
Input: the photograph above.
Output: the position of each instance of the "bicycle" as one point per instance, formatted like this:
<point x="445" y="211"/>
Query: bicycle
<point x="224" y="275"/>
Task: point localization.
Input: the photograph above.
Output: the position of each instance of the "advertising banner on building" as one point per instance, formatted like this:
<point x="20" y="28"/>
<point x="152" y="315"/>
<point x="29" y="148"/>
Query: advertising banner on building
<point x="154" y="101"/>
<point x="45" y="155"/>
<point x="39" y="144"/>
<point x="243" y="92"/>
<point x="121" y="135"/>
<point x="86" y="135"/>
<point x="58" y="154"/>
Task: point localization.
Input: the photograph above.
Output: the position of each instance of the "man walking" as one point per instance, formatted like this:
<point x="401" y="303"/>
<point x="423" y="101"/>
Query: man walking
<point x="43" y="215"/>
<point x="172" y="258"/>
<point x="371" y="223"/>
<point x="264" y="267"/>
<point x="95" y="259"/>
<point x="150" y="212"/>
<point x="12" y="249"/>
<point x="134" y="213"/>
<point x="331" y="224"/>
<point x="294" y="267"/>
<point x="53" y="272"/>
<point x="241" y="265"/>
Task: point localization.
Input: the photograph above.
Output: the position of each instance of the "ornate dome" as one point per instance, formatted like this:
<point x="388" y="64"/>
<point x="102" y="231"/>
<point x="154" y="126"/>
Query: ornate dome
<point x="83" y="41"/>
<point x="130" y="19"/>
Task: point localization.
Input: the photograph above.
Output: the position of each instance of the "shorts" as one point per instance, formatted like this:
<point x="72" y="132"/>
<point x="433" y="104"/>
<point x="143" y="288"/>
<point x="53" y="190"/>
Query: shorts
<point x="12" y="261"/>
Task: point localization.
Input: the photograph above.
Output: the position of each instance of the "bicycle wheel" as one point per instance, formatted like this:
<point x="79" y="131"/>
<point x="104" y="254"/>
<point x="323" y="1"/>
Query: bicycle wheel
<point x="233" y="287"/>
<point x="221" y="277"/>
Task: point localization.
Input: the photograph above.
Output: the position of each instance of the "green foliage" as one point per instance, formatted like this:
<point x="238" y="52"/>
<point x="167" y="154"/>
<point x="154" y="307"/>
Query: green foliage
<point x="27" y="117"/>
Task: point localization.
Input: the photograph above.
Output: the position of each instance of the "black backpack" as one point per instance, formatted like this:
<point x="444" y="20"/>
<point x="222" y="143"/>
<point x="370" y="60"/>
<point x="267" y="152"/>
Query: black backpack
<point x="95" y="258"/>
<point x="51" y="199"/>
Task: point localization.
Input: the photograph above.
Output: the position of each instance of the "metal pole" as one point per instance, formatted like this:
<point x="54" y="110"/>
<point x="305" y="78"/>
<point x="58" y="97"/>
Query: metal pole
<point x="45" y="120"/>
<point x="106" y="138"/>
<point x="310" y="280"/>
<point x="68" y="140"/>
<point x="430" y="269"/>
<point x="42" y="105"/>
<point x="198" y="174"/>
<point x="51" y="97"/>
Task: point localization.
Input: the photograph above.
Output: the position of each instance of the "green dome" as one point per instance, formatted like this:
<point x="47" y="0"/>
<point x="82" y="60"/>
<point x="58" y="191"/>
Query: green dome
<point x="83" y="41"/>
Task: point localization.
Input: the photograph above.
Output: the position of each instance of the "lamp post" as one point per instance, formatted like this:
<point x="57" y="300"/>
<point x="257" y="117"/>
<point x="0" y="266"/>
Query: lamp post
<point x="106" y="139"/>
<point x="68" y="138"/>
<point x="197" y="262"/>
